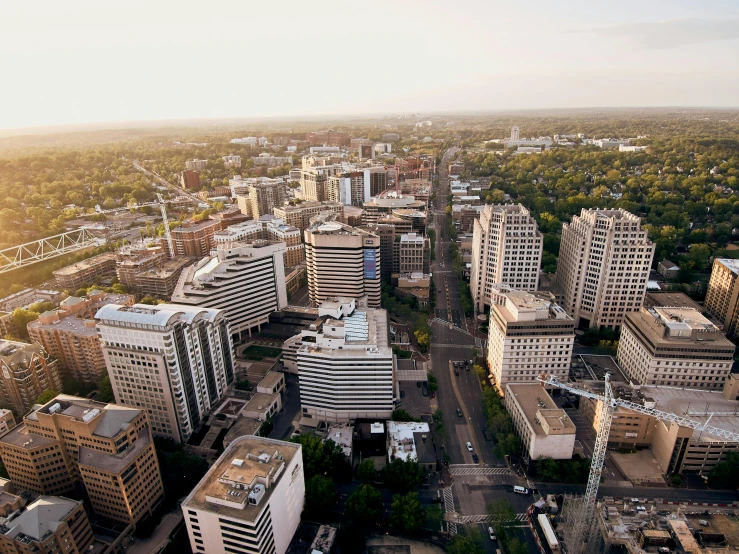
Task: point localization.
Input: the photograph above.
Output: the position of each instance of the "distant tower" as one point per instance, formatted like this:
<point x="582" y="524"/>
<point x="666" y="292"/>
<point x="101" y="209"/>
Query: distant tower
<point x="515" y="133"/>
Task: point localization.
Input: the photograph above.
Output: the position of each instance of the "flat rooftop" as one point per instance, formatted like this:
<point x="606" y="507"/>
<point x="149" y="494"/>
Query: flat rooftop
<point x="730" y="264"/>
<point x="544" y="416"/>
<point x="85" y="264"/>
<point x="697" y="405"/>
<point x="248" y="461"/>
<point x="271" y="379"/>
<point x="670" y="299"/>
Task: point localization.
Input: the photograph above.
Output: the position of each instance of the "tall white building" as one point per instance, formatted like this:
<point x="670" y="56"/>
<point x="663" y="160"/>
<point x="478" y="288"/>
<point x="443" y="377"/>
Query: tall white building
<point x="506" y="248"/>
<point x="247" y="282"/>
<point x="515" y="133"/>
<point x="342" y="261"/>
<point x="529" y="335"/>
<point x="232" y="161"/>
<point x="250" y="501"/>
<point x="173" y="360"/>
<point x="345" y="364"/>
<point x="603" y="266"/>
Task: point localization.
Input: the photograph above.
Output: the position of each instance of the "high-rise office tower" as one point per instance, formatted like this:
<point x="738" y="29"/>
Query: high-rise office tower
<point x="506" y="248"/>
<point x="105" y="446"/>
<point x="174" y="360"/>
<point x="529" y="335"/>
<point x="246" y="281"/>
<point x="342" y="261"/>
<point x="722" y="297"/>
<point x="345" y="364"/>
<point x="603" y="266"/>
<point x="250" y="501"/>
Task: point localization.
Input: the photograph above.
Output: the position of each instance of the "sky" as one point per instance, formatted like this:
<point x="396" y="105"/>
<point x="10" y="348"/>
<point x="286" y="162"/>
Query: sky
<point x="87" y="61"/>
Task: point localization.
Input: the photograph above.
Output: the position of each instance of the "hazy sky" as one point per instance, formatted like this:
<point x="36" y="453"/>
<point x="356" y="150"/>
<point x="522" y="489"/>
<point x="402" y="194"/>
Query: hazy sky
<point x="79" y="61"/>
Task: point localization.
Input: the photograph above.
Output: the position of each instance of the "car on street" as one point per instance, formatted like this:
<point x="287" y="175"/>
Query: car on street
<point x="491" y="534"/>
<point x="475" y="458"/>
<point x="456" y="371"/>
<point x="469" y="447"/>
<point x="459" y="412"/>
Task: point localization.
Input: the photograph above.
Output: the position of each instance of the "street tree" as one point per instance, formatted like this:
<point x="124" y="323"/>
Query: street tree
<point x="407" y="513"/>
<point x="364" y="507"/>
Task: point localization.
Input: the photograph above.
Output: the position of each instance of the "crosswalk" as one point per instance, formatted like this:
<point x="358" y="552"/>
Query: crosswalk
<point x="489" y="519"/>
<point x="450" y="345"/>
<point x="467" y="470"/>
<point x="449" y="508"/>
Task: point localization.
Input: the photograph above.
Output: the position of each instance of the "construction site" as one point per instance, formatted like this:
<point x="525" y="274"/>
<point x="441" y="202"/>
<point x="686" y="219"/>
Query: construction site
<point x="641" y="525"/>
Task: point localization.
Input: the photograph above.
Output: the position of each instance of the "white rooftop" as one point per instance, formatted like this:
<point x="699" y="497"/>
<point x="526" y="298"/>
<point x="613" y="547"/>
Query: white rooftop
<point x="401" y="443"/>
<point x="730" y="264"/>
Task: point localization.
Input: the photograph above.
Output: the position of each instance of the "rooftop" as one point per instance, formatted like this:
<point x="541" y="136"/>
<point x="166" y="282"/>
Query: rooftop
<point x="525" y="306"/>
<point x="40" y="519"/>
<point x="19" y="353"/>
<point x="542" y="414"/>
<point x="401" y="439"/>
<point x="153" y="316"/>
<point x="730" y="264"/>
<point x="249" y="466"/>
<point x="271" y="379"/>
<point x="672" y="299"/>
<point x="192" y="226"/>
<point x="84" y="264"/>
<point x="342" y="434"/>
<point x="662" y="326"/>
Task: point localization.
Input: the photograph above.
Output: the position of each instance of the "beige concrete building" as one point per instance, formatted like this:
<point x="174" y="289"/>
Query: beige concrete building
<point x="264" y="196"/>
<point x="506" y="248"/>
<point x="26" y="371"/>
<point x="674" y="347"/>
<point x="89" y="271"/>
<point x="106" y="447"/>
<point x="603" y="267"/>
<point x="49" y="525"/>
<point x="546" y="431"/>
<point x="388" y="204"/>
<point x="246" y="281"/>
<point x="300" y="215"/>
<point x="161" y="280"/>
<point x="529" y="335"/>
<point x="314" y="179"/>
<point x="411" y="254"/>
<point x="342" y="261"/>
<point x="196" y="165"/>
<point x="250" y="500"/>
<point x="69" y="334"/>
<point x="722" y="297"/>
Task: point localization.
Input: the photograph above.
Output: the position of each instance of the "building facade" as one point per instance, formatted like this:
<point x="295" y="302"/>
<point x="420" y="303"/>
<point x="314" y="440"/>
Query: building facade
<point x="506" y="248"/>
<point x="173" y="360"/>
<point x="26" y="371"/>
<point x="345" y="364"/>
<point x="250" y="501"/>
<point x="106" y="447"/>
<point x="342" y="261"/>
<point x="300" y="216"/>
<point x="722" y="297"/>
<point x="89" y="271"/>
<point x="603" y="267"/>
<point x="69" y="334"/>
<point x="674" y="347"/>
<point x="195" y="239"/>
<point x="269" y="228"/>
<point x="529" y="335"/>
<point x="246" y="281"/>
<point x="190" y="179"/>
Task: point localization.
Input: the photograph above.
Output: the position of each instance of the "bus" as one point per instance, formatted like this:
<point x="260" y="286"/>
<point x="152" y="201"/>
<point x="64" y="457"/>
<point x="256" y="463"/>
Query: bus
<point x="546" y="528"/>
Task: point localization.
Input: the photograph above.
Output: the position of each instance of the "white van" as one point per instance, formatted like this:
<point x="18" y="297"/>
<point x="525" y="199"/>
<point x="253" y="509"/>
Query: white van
<point x="520" y="490"/>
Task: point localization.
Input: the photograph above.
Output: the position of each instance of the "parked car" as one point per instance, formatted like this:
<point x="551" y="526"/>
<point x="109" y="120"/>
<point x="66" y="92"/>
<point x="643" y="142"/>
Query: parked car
<point x="469" y="447"/>
<point x="459" y="412"/>
<point x="491" y="534"/>
<point x="475" y="458"/>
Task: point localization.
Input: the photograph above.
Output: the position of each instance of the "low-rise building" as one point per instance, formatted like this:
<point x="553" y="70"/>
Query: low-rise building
<point x="7" y="421"/>
<point x="674" y="347"/>
<point x="250" y="500"/>
<point x="91" y="270"/>
<point x="27" y="297"/>
<point x="262" y="406"/>
<point x="546" y="431"/>
<point x="667" y="269"/>
<point x="272" y="383"/>
<point x="300" y="216"/>
<point x="411" y="441"/>
<point x="160" y="281"/>
<point x="343" y="435"/>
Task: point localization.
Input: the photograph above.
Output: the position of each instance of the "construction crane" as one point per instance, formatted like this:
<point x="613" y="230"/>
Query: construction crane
<point x="165" y="223"/>
<point x="582" y="520"/>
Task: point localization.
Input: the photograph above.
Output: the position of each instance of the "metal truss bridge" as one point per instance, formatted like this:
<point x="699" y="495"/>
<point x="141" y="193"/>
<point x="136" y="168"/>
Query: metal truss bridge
<point x="29" y="253"/>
